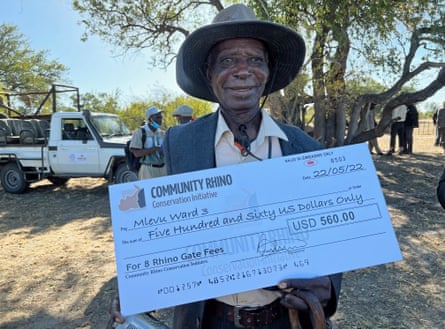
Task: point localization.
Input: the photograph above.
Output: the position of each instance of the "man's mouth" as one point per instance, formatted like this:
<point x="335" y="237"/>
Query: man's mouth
<point x="241" y="90"/>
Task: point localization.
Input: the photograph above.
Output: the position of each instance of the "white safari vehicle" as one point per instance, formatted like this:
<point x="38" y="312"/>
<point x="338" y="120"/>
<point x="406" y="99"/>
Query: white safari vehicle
<point x="70" y="144"/>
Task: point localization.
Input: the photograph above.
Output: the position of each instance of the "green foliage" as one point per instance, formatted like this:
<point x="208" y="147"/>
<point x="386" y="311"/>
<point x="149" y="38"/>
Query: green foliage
<point x="22" y="68"/>
<point x="199" y="107"/>
<point x="100" y="102"/>
<point x="133" y="114"/>
<point x="134" y="25"/>
<point x="390" y="41"/>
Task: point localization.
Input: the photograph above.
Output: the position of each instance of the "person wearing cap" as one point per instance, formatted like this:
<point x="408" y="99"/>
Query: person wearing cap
<point x="183" y="114"/>
<point x="235" y="61"/>
<point x="150" y="153"/>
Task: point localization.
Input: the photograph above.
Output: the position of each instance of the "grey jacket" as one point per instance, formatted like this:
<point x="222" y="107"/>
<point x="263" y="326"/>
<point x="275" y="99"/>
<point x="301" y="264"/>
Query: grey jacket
<point x="191" y="147"/>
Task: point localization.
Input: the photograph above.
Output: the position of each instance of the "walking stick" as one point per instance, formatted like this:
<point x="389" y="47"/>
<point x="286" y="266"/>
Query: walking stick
<point x="316" y="312"/>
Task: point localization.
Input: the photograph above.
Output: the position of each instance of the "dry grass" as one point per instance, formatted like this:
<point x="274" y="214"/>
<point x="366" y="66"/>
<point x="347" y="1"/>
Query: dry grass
<point x="409" y="293"/>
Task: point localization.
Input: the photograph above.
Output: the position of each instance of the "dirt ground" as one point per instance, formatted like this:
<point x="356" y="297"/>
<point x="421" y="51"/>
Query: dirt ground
<point x="58" y="270"/>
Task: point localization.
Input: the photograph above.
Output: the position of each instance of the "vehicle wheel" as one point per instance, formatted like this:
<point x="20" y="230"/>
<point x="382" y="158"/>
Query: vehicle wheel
<point x="124" y="175"/>
<point x="13" y="179"/>
<point x="58" y="181"/>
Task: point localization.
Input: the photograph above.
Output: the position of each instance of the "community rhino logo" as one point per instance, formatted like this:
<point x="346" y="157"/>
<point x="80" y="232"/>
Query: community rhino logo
<point x="133" y="200"/>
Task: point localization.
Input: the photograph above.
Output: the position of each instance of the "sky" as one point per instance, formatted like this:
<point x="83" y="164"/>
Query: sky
<point x="53" y="25"/>
<point x="94" y="67"/>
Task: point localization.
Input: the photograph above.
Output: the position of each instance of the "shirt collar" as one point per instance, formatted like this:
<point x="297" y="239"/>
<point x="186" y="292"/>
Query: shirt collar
<point x="268" y="127"/>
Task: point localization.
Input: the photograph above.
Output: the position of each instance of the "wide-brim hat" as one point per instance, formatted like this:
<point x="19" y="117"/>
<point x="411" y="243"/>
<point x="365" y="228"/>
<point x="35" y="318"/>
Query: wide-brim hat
<point x="286" y="50"/>
<point x="152" y="110"/>
<point x="183" y="111"/>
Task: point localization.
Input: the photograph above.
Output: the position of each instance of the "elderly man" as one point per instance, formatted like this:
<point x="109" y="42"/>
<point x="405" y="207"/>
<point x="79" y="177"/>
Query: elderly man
<point x="183" y="114"/>
<point x="234" y="62"/>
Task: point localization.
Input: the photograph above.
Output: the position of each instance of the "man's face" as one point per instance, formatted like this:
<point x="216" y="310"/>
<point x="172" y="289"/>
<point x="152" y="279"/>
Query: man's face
<point x="238" y="72"/>
<point x="157" y="118"/>
<point x="182" y="119"/>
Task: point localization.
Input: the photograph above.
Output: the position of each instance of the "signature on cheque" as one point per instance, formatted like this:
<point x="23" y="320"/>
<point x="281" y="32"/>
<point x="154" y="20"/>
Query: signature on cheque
<point x="269" y="247"/>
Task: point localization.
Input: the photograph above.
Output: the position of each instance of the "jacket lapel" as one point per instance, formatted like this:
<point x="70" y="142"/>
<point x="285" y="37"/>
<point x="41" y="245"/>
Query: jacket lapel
<point x="203" y="147"/>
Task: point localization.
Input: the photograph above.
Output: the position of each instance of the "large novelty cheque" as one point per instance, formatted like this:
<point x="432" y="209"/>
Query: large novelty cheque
<point x="215" y="232"/>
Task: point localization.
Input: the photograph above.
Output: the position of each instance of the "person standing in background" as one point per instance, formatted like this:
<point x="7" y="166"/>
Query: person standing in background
<point x="411" y="122"/>
<point x="436" y="132"/>
<point x="369" y="125"/>
<point x="150" y="153"/>
<point x="183" y="114"/>
<point x="397" y="129"/>
<point x="440" y="124"/>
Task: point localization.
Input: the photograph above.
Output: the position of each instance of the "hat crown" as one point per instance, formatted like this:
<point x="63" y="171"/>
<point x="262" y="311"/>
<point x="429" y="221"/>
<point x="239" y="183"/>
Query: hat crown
<point x="152" y="110"/>
<point x="183" y="110"/>
<point x="285" y="47"/>
<point x="238" y="12"/>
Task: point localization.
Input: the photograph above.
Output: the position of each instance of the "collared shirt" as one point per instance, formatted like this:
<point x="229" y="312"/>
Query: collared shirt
<point x="399" y="113"/>
<point x="152" y="139"/>
<point x="227" y="154"/>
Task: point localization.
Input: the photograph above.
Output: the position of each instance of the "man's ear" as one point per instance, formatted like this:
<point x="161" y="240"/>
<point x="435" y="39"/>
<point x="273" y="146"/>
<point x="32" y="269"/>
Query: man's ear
<point x="208" y="72"/>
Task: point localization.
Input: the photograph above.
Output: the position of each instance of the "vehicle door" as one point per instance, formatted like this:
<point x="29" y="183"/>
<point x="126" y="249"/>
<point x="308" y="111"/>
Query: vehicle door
<point x="76" y="151"/>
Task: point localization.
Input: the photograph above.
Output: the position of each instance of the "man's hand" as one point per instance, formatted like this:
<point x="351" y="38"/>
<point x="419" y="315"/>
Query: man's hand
<point x="320" y="287"/>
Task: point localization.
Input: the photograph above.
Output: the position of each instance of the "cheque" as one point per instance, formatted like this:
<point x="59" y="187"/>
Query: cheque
<point x="215" y="232"/>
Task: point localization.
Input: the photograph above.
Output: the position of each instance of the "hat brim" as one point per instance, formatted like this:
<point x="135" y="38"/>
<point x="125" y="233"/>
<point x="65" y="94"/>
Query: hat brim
<point x="286" y="50"/>
<point x="181" y="114"/>
<point x="160" y="111"/>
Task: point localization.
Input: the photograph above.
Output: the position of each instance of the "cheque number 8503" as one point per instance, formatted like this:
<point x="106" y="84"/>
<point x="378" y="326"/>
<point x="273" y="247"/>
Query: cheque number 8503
<point x="343" y="217"/>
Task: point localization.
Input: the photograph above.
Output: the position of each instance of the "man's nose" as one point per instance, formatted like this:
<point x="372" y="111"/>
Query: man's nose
<point x="242" y="68"/>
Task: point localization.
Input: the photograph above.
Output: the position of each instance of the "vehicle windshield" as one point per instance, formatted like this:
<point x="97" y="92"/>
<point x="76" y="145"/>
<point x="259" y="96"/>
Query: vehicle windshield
<point x="109" y="126"/>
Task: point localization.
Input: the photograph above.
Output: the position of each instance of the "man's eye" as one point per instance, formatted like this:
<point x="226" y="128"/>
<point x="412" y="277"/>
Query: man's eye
<point x="227" y="61"/>
<point x="257" y="60"/>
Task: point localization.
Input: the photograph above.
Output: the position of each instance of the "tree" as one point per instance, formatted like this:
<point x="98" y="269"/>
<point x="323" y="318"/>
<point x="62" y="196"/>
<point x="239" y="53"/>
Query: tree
<point x="394" y="40"/>
<point x="134" y="114"/>
<point x="199" y="107"/>
<point x="400" y="39"/>
<point x="100" y="102"/>
<point x="134" y="25"/>
<point x="22" y="68"/>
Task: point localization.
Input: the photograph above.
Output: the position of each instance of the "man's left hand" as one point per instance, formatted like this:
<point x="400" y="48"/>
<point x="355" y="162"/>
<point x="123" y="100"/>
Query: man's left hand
<point x="320" y="287"/>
